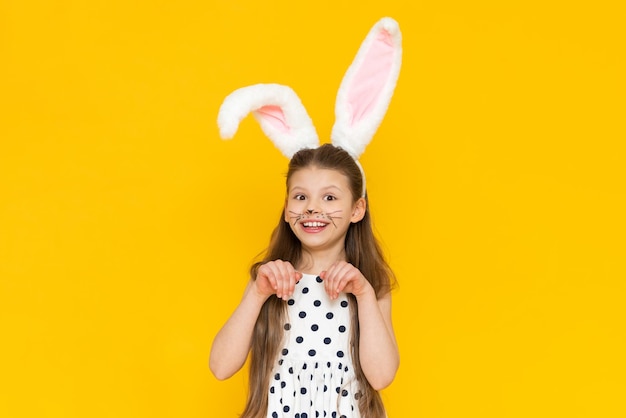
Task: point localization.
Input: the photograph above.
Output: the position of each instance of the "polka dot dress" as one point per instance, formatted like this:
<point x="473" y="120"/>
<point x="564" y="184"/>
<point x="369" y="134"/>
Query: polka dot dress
<point x="314" y="376"/>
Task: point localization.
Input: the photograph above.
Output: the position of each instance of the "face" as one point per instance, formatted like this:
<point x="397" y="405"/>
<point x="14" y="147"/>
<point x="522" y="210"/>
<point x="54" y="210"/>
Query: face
<point x="320" y="208"/>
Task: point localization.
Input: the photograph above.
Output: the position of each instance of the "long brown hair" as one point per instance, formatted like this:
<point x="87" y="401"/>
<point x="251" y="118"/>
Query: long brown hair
<point x="362" y="251"/>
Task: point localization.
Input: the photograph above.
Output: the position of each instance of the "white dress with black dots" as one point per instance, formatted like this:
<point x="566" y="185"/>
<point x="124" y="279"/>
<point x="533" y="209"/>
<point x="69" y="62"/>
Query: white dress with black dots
<point x="314" y="375"/>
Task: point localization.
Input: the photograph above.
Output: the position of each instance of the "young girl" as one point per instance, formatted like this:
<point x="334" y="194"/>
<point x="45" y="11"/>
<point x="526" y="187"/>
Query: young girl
<point x="316" y="314"/>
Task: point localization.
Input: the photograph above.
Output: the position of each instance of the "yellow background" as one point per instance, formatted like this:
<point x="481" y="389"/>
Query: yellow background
<point x="127" y="226"/>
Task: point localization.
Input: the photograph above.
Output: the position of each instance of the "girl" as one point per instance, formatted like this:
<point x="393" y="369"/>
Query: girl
<point x="316" y="314"/>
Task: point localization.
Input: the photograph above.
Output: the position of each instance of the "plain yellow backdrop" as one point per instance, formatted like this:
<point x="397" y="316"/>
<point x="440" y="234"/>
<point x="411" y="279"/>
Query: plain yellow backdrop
<point x="127" y="227"/>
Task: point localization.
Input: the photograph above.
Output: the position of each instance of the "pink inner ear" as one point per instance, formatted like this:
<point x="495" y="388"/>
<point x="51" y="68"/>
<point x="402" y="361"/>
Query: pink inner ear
<point x="369" y="80"/>
<point x="274" y="116"/>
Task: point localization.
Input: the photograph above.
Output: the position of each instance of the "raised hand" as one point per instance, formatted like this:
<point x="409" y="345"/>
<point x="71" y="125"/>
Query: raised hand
<point x="344" y="277"/>
<point x="276" y="277"/>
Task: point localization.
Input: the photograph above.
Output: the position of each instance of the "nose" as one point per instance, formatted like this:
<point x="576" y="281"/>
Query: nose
<point x="310" y="211"/>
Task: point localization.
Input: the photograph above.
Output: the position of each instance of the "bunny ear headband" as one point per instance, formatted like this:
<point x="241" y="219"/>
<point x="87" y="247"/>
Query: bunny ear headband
<point x="361" y="104"/>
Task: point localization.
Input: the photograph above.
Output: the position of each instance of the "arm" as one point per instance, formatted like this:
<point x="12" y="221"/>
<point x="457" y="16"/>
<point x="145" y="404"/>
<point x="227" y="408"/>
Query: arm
<point x="232" y="343"/>
<point x="378" y="349"/>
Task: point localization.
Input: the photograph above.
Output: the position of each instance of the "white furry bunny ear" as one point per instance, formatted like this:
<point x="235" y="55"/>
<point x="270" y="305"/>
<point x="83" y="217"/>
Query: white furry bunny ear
<point x="367" y="87"/>
<point x="278" y="110"/>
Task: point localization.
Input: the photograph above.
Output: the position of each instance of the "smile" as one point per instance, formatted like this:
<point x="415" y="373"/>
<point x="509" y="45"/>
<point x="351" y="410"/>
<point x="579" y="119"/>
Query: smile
<point x="313" y="224"/>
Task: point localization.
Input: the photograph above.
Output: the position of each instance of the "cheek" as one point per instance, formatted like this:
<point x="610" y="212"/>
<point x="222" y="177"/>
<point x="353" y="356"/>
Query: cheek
<point x="293" y="209"/>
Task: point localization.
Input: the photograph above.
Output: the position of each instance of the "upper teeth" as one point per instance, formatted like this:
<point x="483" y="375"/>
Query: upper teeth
<point x="313" y="224"/>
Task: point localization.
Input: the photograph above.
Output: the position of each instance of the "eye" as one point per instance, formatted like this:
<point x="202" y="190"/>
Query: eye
<point x="330" y="197"/>
<point x="299" y="197"/>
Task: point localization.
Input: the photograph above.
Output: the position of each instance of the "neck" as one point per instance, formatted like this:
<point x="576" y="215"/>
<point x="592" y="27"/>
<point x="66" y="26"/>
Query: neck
<point x="316" y="261"/>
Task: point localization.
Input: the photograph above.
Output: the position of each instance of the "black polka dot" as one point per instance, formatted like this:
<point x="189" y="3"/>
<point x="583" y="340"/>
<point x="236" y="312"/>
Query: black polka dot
<point x="280" y="362"/>
<point x="310" y="343"/>
<point x="318" y="279"/>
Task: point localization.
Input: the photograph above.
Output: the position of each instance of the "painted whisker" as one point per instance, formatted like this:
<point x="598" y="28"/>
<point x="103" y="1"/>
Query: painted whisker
<point x="297" y="217"/>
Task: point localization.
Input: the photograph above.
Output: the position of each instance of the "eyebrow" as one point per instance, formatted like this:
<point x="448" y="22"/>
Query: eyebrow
<point x="323" y="189"/>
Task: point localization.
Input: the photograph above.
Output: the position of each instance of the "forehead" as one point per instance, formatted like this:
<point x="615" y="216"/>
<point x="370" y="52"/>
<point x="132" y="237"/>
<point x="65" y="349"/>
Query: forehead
<point x="318" y="178"/>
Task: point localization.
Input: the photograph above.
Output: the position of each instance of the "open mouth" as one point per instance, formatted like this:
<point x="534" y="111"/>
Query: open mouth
<point x="313" y="226"/>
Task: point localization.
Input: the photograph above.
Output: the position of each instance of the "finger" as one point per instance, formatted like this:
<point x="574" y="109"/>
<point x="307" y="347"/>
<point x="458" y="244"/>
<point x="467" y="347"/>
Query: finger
<point x="344" y="276"/>
<point x="327" y="278"/>
<point x="295" y="277"/>
<point x="333" y="275"/>
<point x="267" y="280"/>
<point x="282" y="280"/>
<point x="276" y="275"/>
<point x="285" y="279"/>
<point x="292" y="275"/>
<point x="331" y="282"/>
